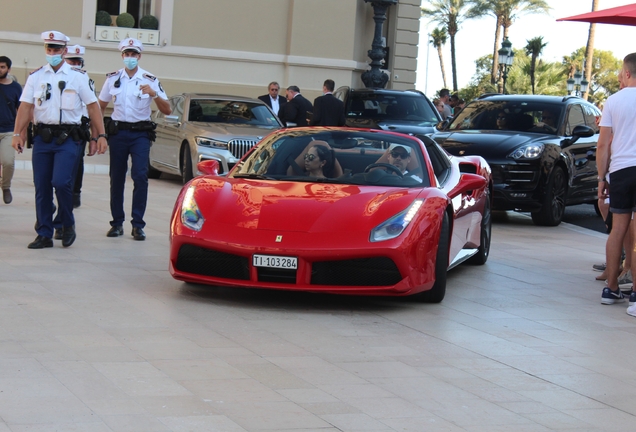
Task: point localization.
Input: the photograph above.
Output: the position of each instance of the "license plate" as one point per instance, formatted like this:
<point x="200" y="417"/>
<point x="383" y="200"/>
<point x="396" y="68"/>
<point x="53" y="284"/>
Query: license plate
<point x="272" y="261"/>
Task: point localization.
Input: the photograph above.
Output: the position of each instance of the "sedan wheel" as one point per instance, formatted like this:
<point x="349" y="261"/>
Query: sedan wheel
<point x="437" y="293"/>
<point x="186" y="165"/>
<point x="553" y="207"/>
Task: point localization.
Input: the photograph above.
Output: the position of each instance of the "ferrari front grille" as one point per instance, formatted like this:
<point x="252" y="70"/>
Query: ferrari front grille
<point x="276" y="275"/>
<point x="377" y="271"/>
<point x="207" y="262"/>
<point x="238" y="147"/>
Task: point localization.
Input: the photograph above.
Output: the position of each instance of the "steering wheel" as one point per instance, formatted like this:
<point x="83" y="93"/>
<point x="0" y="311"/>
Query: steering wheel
<point x="384" y="165"/>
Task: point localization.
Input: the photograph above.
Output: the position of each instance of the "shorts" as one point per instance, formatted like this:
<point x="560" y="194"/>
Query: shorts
<point x="623" y="191"/>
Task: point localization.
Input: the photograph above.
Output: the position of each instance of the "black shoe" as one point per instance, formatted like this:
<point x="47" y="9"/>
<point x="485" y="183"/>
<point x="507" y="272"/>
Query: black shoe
<point x="115" y="231"/>
<point x="68" y="236"/>
<point x="76" y="200"/>
<point x="57" y="235"/>
<point x="41" y="242"/>
<point x="138" y="233"/>
<point x="6" y="196"/>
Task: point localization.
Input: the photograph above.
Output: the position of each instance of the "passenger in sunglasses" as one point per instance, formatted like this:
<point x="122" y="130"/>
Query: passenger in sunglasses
<point x="319" y="162"/>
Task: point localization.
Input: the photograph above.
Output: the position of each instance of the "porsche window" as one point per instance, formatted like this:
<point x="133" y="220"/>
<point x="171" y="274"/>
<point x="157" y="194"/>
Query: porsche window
<point x="345" y="157"/>
<point x="536" y="117"/>
<point x="224" y="111"/>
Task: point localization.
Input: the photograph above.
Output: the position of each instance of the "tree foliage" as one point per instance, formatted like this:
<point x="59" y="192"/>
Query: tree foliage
<point x="605" y="67"/>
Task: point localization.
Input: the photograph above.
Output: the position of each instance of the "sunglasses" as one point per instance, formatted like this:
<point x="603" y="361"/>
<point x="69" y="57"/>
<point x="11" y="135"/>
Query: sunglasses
<point x="46" y="93"/>
<point x="400" y="155"/>
<point x="309" y="157"/>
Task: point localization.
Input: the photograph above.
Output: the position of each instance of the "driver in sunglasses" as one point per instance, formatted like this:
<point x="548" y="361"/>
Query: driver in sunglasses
<point x="400" y="156"/>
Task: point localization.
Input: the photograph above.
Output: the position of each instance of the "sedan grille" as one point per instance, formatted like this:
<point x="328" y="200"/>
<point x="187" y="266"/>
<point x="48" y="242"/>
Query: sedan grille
<point x="207" y="262"/>
<point x="379" y="271"/>
<point x="238" y="147"/>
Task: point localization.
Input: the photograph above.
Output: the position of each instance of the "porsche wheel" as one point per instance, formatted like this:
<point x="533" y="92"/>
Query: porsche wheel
<point x="186" y="164"/>
<point x="553" y="207"/>
<point x="437" y="293"/>
<point x="481" y="256"/>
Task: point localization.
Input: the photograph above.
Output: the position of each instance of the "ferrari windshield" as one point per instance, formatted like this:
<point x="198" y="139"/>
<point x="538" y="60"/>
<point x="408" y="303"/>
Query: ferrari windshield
<point x="515" y="116"/>
<point x="337" y="156"/>
<point x="228" y="111"/>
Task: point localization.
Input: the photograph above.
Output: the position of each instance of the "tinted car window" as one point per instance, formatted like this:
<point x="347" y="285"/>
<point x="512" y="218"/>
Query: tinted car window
<point x="380" y="106"/>
<point x="223" y="111"/>
<point x="354" y="152"/>
<point x="575" y="118"/>
<point x="519" y="116"/>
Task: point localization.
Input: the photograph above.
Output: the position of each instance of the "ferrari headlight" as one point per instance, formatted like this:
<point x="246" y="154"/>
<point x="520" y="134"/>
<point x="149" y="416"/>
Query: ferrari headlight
<point x="190" y="214"/>
<point x="209" y="142"/>
<point x="530" y="151"/>
<point x="393" y="227"/>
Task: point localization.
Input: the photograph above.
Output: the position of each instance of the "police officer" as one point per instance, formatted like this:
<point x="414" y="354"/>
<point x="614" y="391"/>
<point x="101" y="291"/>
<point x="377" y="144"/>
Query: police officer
<point x="53" y="97"/>
<point x="131" y="89"/>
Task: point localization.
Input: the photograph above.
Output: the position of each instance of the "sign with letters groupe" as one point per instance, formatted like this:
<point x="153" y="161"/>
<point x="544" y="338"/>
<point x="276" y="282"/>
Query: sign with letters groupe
<point x="116" y="34"/>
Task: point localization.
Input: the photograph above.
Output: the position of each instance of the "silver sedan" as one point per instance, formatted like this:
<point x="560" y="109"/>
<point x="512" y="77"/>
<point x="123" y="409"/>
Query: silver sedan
<point x="207" y="126"/>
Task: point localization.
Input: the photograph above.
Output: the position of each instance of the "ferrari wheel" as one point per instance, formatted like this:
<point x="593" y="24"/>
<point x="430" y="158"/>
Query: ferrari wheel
<point x="186" y="164"/>
<point x="481" y="256"/>
<point x="553" y="207"/>
<point x="437" y="293"/>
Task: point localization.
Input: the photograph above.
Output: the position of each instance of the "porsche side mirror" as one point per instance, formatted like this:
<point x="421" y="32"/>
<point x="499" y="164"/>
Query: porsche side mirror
<point x="209" y="167"/>
<point x="468" y="183"/>
<point x="443" y="124"/>
<point x="580" y="131"/>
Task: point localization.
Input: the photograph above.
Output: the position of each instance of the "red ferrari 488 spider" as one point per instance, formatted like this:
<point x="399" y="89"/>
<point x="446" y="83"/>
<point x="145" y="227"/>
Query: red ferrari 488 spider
<point x="335" y="210"/>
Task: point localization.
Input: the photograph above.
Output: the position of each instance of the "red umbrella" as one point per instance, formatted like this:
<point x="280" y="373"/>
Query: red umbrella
<point x="624" y="15"/>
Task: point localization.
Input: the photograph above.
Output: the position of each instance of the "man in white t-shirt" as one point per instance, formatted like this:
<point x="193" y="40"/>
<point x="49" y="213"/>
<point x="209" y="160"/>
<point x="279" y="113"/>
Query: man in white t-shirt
<point x="616" y="156"/>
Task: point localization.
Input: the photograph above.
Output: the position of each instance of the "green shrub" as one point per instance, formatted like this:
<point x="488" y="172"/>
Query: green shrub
<point x="103" y="18"/>
<point x="149" y="22"/>
<point x="125" y="20"/>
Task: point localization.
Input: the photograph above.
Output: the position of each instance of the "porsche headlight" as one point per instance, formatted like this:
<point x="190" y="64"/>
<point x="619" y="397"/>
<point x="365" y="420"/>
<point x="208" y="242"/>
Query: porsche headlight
<point x="530" y="151"/>
<point x="209" y="142"/>
<point x="393" y="227"/>
<point x="190" y="214"/>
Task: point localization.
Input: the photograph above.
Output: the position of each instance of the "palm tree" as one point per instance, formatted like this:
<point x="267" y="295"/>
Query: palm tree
<point x="505" y="12"/>
<point x="589" y="49"/>
<point x="450" y="14"/>
<point x="533" y="49"/>
<point x="438" y="39"/>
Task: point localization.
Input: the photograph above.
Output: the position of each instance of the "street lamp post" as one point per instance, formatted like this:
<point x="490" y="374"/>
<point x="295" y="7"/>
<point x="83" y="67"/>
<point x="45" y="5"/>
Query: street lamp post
<point x="506" y="58"/>
<point x="375" y="78"/>
<point x="577" y="83"/>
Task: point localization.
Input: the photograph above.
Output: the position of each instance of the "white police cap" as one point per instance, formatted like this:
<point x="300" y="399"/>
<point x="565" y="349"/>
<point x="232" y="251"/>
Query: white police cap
<point x="131" y="44"/>
<point x="75" y="51"/>
<point x="54" y="38"/>
<point x="394" y="146"/>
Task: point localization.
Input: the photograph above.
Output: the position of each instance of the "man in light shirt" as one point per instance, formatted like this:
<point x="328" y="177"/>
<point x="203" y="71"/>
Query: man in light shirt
<point x="273" y="99"/>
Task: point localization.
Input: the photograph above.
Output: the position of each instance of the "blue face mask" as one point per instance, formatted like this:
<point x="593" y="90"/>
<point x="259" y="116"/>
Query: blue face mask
<point x="54" y="60"/>
<point x="130" y="62"/>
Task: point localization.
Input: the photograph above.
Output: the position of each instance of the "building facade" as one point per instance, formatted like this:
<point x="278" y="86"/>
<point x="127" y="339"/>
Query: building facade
<point x="225" y="46"/>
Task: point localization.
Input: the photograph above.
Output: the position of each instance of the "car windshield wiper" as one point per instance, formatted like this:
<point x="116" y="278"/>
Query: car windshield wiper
<point x="254" y="176"/>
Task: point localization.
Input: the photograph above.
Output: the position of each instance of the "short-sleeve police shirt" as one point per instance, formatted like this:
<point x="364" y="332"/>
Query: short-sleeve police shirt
<point x="56" y="94"/>
<point x="129" y="104"/>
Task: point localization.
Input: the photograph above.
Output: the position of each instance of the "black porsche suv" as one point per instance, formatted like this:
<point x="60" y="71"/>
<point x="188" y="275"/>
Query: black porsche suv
<point x="405" y="111"/>
<point x="541" y="149"/>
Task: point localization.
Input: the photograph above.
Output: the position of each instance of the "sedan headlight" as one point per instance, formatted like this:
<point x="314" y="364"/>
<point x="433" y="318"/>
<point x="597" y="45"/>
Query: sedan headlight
<point x="530" y="151"/>
<point x="393" y="227"/>
<point x="190" y="214"/>
<point x="209" y="142"/>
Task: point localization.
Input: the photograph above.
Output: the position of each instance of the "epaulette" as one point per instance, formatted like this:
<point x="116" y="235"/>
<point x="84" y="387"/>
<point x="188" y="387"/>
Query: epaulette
<point x="108" y="75"/>
<point x="78" y="70"/>
<point x="150" y="77"/>
<point x="36" y="70"/>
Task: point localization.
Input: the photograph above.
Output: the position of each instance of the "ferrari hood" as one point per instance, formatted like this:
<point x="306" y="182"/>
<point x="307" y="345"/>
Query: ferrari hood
<point x="298" y="206"/>
<point x="489" y="144"/>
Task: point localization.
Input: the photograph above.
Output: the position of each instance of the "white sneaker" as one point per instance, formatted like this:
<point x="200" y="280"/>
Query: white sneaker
<point x="631" y="310"/>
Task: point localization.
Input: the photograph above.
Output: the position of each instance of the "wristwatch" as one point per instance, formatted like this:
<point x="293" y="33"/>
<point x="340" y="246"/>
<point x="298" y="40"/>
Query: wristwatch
<point x="16" y="134"/>
<point x="93" y="139"/>
<point x="601" y="179"/>
<point x="102" y="136"/>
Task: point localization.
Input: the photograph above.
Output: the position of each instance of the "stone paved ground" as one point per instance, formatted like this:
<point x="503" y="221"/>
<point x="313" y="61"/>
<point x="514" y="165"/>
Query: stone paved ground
<point x="99" y="337"/>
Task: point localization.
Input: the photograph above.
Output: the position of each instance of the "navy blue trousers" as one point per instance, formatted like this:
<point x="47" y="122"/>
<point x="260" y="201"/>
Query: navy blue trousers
<point x="53" y="168"/>
<point x="136" y="145"/>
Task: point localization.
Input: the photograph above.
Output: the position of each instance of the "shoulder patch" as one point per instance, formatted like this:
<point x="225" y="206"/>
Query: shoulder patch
<point x="108" y="75"/>
<point x="78" y="70"/>
<point x="36" y="70"/>
<point x="150" y="77"/>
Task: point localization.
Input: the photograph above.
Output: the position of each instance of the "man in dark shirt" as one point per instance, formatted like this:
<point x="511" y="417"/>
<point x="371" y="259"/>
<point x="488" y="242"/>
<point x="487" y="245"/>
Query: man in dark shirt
<point x="10" y="92"/>
<point x="297" y="109"/>
<point x="328" y="109"/>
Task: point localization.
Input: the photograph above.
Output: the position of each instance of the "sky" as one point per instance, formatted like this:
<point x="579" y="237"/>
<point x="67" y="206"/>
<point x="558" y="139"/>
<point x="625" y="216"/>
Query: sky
<point x="476" y="38"/>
